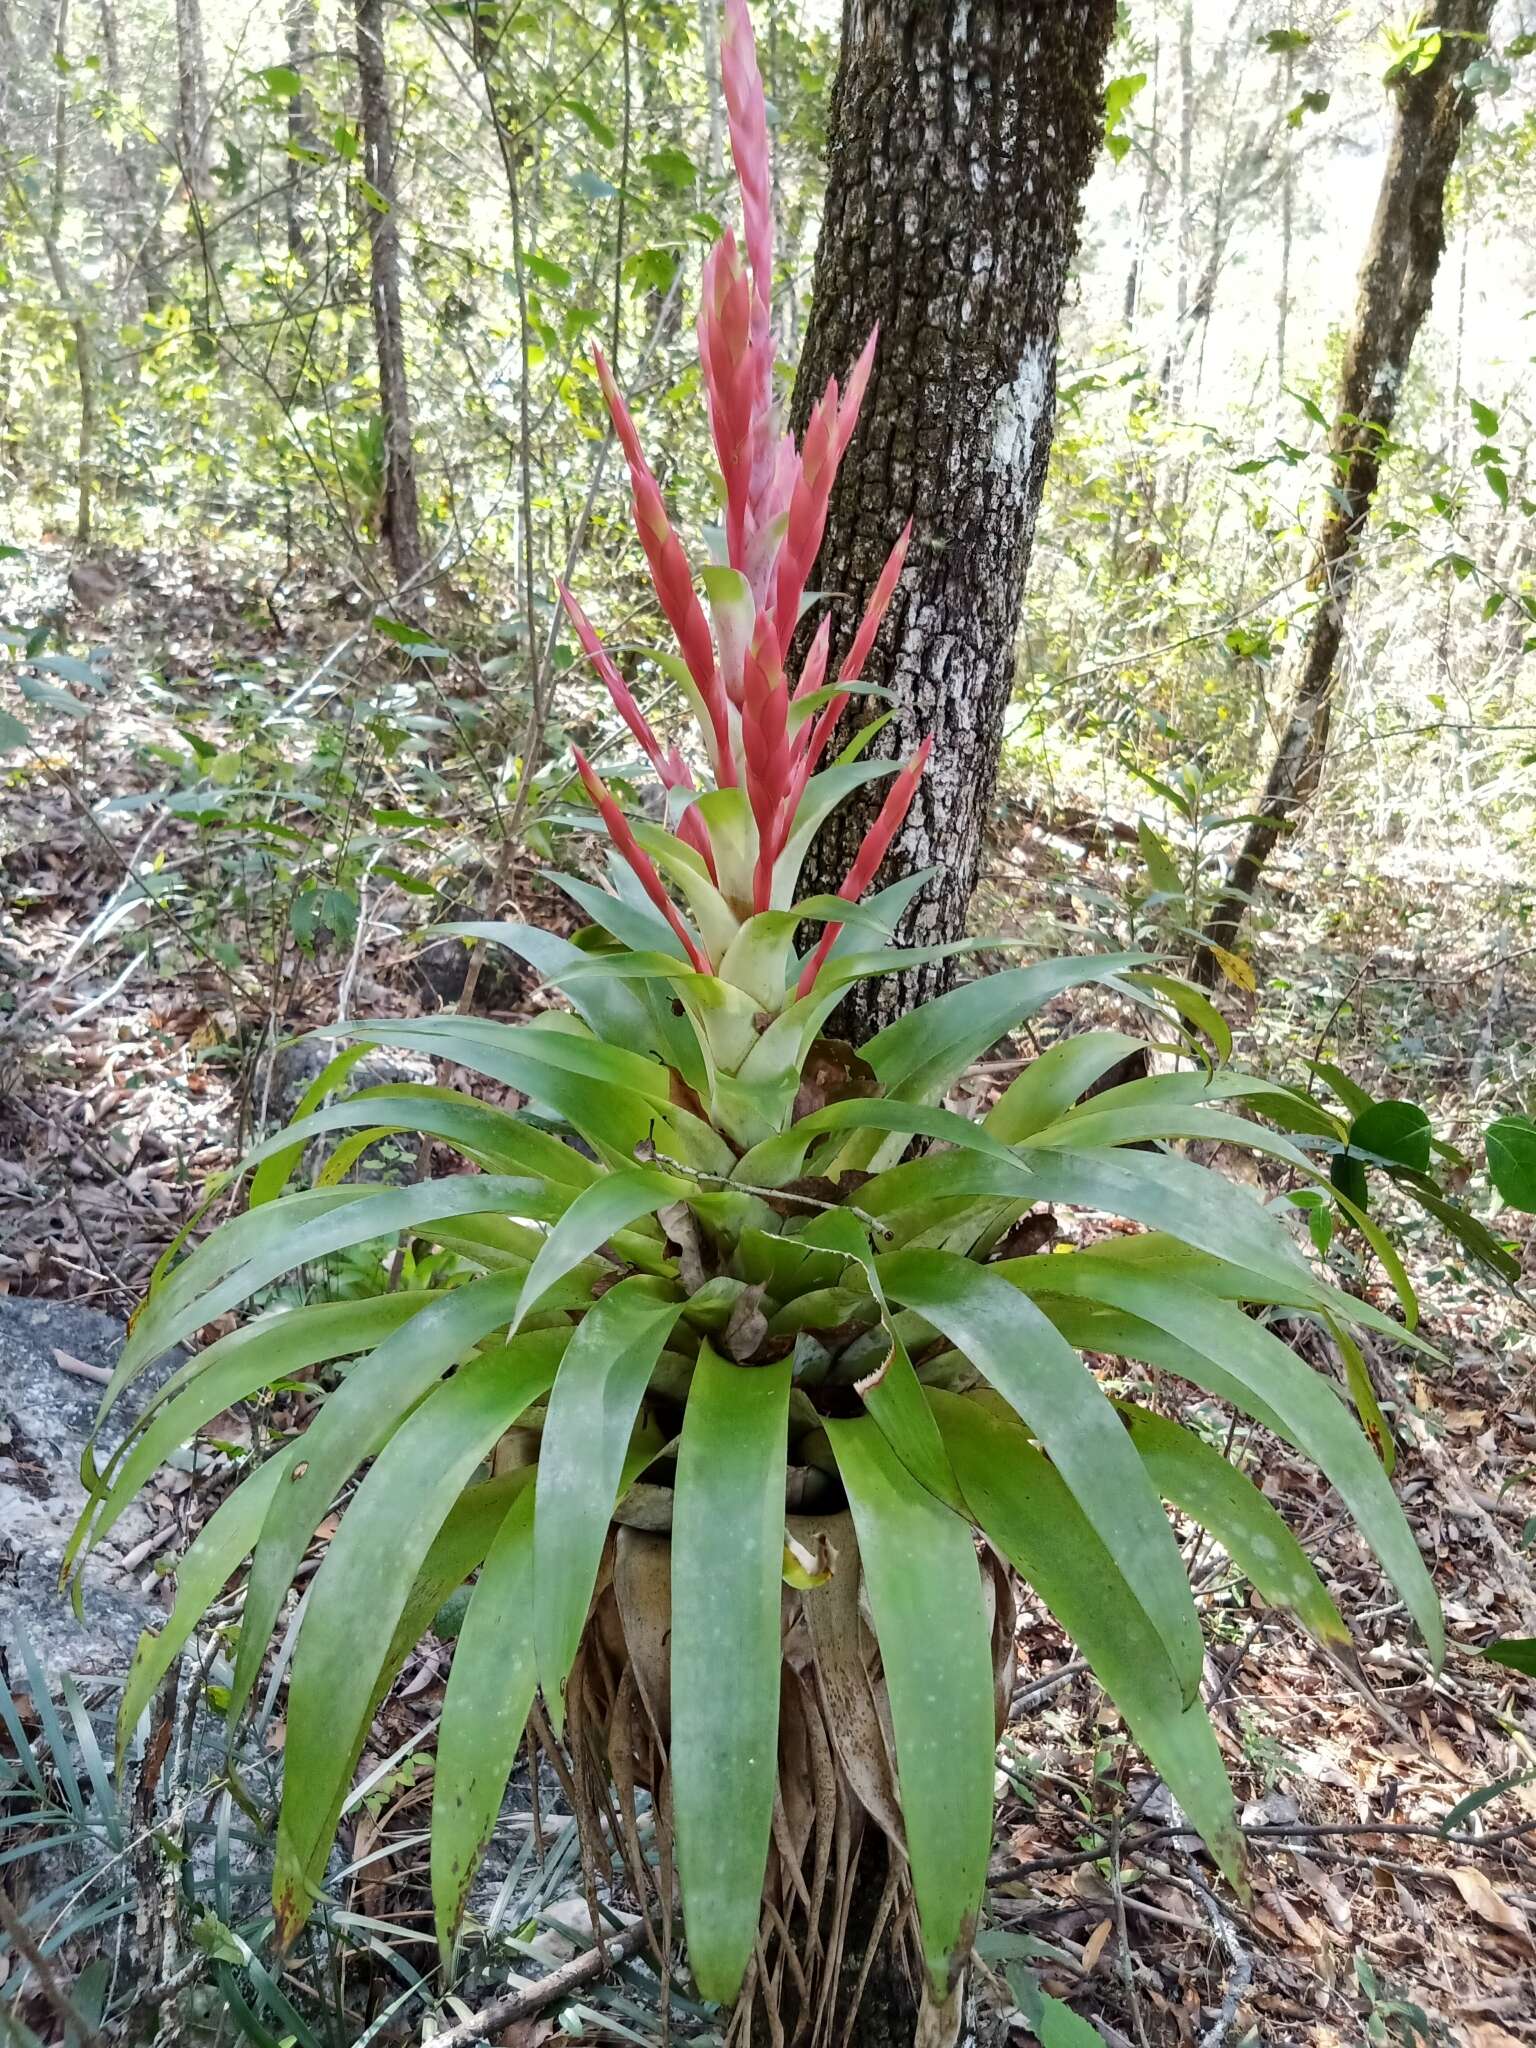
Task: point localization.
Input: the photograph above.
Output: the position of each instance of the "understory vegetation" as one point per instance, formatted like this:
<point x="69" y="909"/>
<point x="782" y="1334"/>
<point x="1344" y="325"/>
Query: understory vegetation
<point x="690" y="1446"/>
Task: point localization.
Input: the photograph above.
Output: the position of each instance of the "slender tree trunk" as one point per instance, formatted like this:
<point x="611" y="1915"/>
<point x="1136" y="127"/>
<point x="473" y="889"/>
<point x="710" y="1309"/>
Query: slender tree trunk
<point x="1396" y="282"/>
<point x="193" y="122"/>
<point x="145" y="259"/>
<point x="1287" y="230"/>
<point x="402" y="521"/>
<point x="959" y="145"/>
<point x="298" y="32"/>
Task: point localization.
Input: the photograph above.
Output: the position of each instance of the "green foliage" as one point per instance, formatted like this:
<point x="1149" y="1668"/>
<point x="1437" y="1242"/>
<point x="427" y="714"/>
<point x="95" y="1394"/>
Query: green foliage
<point x="596" y="1285"/>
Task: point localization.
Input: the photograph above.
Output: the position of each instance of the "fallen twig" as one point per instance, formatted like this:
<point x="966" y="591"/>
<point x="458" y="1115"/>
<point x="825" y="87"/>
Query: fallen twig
<point x="1240" y="1960"/>
<point x="531" y="1998"/>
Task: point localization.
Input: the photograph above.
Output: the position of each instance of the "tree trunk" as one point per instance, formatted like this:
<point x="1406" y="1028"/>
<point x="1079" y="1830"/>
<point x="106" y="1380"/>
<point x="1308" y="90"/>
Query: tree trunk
<point x="144" y="257"/>
<point x="960" y="141"/>
<point x="298" y="34"/>
<point x="1396" y="282"/>
<point x="401" y="519"/>
<point x="193" y="123"/>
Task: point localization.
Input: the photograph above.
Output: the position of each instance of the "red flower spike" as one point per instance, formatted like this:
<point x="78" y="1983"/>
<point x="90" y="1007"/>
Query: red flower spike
<point x="853" y="666"/>
<point x="639" y="860"/>
<point x="747" y="114"/>
<point x="765" y="739"/>
<point x="867" y="861"/>
<point x="670" y="570"/>
<point x="613" y="682"/>
<point x="814" y="674"/>
<point x="725" y="344"/>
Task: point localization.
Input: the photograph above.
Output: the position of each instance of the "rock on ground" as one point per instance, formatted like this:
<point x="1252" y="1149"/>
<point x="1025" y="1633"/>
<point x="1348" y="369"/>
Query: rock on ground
<point x="45" y="1418"/>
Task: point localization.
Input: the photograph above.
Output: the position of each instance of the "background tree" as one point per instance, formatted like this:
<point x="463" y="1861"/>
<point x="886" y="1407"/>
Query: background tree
<point x="959" y="146"/>
<point x="1397" y="281"/>
<point x="401" y="519"/>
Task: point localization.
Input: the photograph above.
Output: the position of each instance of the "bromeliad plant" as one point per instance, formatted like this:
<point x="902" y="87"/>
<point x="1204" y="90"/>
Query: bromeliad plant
<point x="739" y="1415"/>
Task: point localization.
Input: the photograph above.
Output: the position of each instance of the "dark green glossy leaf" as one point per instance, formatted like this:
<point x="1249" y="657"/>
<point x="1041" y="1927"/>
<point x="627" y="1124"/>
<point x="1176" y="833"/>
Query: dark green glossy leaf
<point x="727" y="1558"/>
<point x="598" y="1390"/>
<point x="1047" y="1384"/>
<point x="924" y="1586"/>
<point x="1024" y="1506"/>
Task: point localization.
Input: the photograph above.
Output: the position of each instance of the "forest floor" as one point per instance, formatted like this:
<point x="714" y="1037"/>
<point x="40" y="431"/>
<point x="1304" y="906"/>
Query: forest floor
<point x="136" y="1059"/>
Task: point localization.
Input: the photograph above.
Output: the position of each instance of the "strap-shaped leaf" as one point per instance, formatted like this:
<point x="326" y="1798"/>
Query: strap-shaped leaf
<point x="1044" y="1381"/>
<point x="1224" y="1501"/>
<point x="1225" y="1351"/>
<point x="495" y="1140"/>
<point x="597" y="1212"/>
<point x="894" y="1396"/>
<point x="231" y="1369"/>
<point x="1166" y="1193"/>
<point x="613" y="1012"/>
<point x="362" y="1587"/>
<point x="727" y="1559"/>
<point x="218" y="1548"/>
<point x="598" y="1390"/>
<point x="1050" y="1084"/>
<point x="557" y="1069"/>
<point x="490" y="1688"/>
<point x="252" y="1250"/>
<point x="353" y="1425"/>
<point x="1094" y="1129"/>
<point x="780" y="1159"/>
<point x="920" y="1054"/>
<point x="924" y="1585"/>
<point x="1023" y="1504"/>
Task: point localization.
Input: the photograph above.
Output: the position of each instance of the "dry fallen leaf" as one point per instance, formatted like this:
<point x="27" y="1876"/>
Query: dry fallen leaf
<point x="1093" y="1947"/>
<point x="1480" y="1895"/>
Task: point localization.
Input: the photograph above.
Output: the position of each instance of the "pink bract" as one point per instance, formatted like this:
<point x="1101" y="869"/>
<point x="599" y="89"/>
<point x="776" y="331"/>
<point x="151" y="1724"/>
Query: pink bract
<point x="776" y="501"/>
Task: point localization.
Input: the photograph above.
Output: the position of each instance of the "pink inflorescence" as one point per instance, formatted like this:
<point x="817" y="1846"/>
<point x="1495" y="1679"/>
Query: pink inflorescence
<point x="776" y="499"/>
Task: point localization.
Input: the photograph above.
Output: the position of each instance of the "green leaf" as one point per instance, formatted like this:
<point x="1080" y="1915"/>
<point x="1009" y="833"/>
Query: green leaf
<point x="1162" y="870"/>
<point x="727" y="1555"/>
<point x="920" y="1054"/>
<point x="12" y="733"/>
<point x="1484" y="418"/>
<point x="281" y="82"/>
<point x="672" y="168"/>
<point x="352" y="1426"/>
<point x="223" y="1541"/>
<point x="924" y="1585"/>
<point x="1026" y="1509"/>
<point x="1277" y="41"/>
<point x="490" y="1689"/>
<point x="612" y="1010"/>
<point x="1512" y="1161"/>
<point x="1212" y="1492"/>
<point x="894" y="1396"/>
<point x="500" y="1142"/>
<point x="598" y="1390"/>
<point x="593" y="122"/>
<point x="1515" y="1653"/>
<point x="1050" y="1085"/>
<point x="250" y="1251"/>
<point x="597" y="1212"/>
<point x="272" y="1348"/>
<point x="69" y="668"/>
<point x="360" y="1592"/>
<point x="1223" y="1350"/>
<point x="1048" y="1385"/>
<point x="1397" y="1131"/>
<point x="1158" y="1189"/>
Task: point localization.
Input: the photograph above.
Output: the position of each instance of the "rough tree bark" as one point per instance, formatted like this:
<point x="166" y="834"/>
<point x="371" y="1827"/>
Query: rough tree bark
<point x="1397" y="280"/>
<point x="401" y="517"/>
<point x="961" y="137"/>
